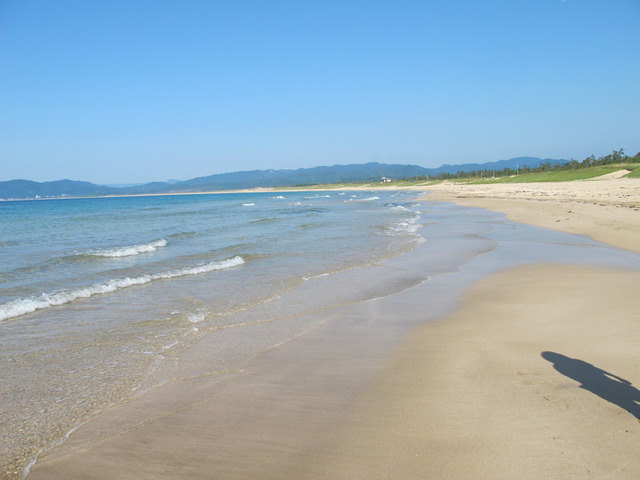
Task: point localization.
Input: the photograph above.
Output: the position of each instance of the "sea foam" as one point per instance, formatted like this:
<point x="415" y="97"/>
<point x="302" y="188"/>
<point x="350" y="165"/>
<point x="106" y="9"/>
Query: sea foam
<point x="22" y="306"/>
<point x="197" y="316"/>
<point x="368" y="199"/>
<point x="130" y="249"/>
<point x="399" y="208"/>
<point x="409" y="226"/>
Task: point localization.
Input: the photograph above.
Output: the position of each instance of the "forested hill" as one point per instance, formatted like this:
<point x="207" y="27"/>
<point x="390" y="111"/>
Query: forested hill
<point x="368" y="172"/>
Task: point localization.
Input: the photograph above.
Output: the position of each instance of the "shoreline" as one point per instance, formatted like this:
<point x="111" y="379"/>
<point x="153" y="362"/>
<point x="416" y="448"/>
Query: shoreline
<point x="536" y="385"/>
<point x="606" y="210"/>
<point x="366" y="420"/>
<point x="536" y="373"/>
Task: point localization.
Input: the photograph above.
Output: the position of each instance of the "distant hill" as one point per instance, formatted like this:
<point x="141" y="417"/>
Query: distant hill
<point x="303" y="176"/>
<point x="58" y="188"/>
<point x="129" y="185"/>
<point x="368" y="172"/>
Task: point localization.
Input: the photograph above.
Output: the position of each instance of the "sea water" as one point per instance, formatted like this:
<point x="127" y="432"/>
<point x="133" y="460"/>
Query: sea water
<point x="96" y="292"/>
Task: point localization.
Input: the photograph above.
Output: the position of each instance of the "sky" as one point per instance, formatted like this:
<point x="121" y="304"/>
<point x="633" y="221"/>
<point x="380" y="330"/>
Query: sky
<point x="126" y="91"/>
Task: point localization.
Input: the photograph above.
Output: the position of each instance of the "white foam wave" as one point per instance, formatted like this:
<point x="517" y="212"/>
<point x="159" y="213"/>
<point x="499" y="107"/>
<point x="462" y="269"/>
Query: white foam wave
<point x="368" y="199"/>
<point x="130" y="249"/>
<point x="399" y="208"/>
<point x="410" y="226"/>
<point x="248" y="204"/>
<point x="172" y="344"/>
<point x="278" y="197"/>
<point x="22" y="306"/>
<point x="197" y="316"/>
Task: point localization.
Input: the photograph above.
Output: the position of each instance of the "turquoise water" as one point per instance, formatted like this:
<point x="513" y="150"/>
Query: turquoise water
<point x="97" y="292"/>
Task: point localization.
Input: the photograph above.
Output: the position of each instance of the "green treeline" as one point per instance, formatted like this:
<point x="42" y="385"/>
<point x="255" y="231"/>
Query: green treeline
<point x="615" y="157"/>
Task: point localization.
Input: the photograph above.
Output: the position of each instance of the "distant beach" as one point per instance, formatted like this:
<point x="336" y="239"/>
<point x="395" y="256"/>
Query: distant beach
<point x="493" y="348"/>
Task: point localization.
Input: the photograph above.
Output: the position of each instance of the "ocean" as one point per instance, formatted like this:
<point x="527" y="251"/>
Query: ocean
<point x="100" y="296"/>
<point x="97" y="292"/>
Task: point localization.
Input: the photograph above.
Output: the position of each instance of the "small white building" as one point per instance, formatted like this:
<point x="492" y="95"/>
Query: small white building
<point x="385" y="180"/>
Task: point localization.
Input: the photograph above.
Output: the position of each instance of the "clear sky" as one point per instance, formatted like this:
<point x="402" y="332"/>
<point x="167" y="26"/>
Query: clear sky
<point x="118" y="91"/>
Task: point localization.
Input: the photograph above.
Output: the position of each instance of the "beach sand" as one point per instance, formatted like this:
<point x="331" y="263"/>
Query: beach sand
<point x="534" y="376"/>
<point x="473" y="396"/>
<point x="606" y="209"/>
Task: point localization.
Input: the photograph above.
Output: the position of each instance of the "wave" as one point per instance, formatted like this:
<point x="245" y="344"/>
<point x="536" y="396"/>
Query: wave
<point x="22" y="306"/>
<point x="87" y="256"/>
<point x="248" y="204"/>
<point x="197" y="316"/>
<point x="410" y="226"/>
<point x="395" y="206"/>
<point x="130" y="249"/>
<point x="368" y="199"/>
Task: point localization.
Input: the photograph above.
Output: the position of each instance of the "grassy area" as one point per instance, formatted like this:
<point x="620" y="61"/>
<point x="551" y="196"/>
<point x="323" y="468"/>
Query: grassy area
<point x="635" y="171"/>
<point x="555" y="175"/>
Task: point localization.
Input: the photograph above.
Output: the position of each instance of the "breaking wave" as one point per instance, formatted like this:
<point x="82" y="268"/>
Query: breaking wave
<point x="130" y="249"/>
<point x="409" y="226"/>
<point x="368" y="199"/>
<point x="22" y="306"/>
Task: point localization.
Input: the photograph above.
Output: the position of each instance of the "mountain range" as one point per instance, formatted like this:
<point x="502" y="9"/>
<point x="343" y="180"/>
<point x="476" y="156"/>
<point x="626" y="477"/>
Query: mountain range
<point x="368" y="172"/>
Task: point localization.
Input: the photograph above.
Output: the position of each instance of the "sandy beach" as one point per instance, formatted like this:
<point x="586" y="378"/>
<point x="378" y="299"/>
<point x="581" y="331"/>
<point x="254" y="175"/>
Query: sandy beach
<point x="535" y="375"/>
<point x="606" y="209"/>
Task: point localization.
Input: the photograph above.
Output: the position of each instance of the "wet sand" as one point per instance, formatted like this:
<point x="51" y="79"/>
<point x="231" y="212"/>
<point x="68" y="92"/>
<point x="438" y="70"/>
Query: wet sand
<point x="536" y="376"/>
<point x="472" y="395"/>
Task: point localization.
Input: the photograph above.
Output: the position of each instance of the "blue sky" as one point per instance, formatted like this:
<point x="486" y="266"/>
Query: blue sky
<point x="113" y="91"/>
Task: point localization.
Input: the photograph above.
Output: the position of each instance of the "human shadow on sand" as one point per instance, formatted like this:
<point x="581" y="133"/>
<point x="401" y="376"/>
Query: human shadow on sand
<point x="606" y="385"/>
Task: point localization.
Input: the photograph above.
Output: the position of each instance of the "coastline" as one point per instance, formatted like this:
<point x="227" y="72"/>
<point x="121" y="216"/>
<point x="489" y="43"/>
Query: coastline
<point x="535" y="375"/>
<point x="391" y="427"/>
<point x="473" y="396"/>
<point x="607" y="210"/>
